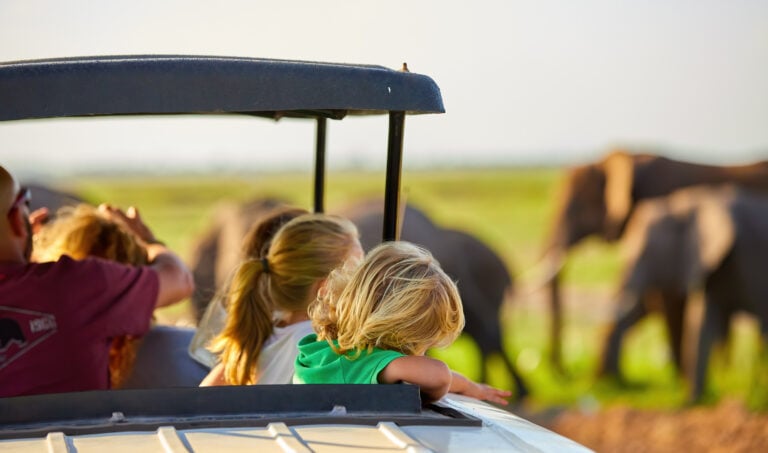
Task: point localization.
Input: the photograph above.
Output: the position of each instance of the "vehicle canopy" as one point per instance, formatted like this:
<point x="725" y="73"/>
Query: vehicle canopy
<point x="183" y="84"/>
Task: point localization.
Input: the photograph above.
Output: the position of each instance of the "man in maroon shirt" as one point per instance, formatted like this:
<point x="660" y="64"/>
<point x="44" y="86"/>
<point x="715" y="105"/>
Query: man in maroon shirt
<point x="57" y="319"/>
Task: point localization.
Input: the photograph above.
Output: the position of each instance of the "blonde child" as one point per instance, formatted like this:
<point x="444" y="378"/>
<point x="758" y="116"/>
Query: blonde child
<point x="375" y="324"/>
<point x="268" y="298"/>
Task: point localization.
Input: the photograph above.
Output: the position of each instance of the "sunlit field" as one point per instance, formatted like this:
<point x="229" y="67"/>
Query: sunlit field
<point x="512" y="211"/>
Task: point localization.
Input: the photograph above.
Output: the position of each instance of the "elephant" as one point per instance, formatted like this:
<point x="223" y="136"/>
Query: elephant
<point x="701" y="240"/>
<point x="598" y="199"/>
<point x="483" y="280"/>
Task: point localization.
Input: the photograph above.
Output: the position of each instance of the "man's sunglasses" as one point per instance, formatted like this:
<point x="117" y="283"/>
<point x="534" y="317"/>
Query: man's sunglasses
<point x="24" y="196"/>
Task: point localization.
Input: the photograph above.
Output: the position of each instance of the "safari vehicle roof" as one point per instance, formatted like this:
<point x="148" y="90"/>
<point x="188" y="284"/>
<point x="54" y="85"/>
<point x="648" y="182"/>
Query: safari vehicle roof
<point x="184" y="84"/>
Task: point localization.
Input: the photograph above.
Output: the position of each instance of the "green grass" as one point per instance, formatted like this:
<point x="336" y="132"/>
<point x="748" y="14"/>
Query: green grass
<point x="510" y="209"/>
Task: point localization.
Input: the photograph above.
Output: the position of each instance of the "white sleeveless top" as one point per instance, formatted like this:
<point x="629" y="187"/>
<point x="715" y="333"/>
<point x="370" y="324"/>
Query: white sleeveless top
<point x="276" y="358"/>
<point x="279" y="353"/>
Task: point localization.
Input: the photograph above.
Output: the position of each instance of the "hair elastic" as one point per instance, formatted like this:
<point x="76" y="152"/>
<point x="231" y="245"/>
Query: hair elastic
<point x="265" y="265"/>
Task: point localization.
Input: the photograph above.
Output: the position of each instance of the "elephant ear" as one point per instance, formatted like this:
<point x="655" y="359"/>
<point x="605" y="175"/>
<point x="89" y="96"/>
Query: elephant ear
<point x="619" y="178"/>
<point x="711" y="236"/>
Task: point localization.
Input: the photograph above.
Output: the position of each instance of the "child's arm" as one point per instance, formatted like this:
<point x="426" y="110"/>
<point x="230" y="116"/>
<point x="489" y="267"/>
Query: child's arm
<point x="431" y="375"/>
<point x="215" y="377"/>
<point x="464" y="386"/>
<point x="436" y="379"/>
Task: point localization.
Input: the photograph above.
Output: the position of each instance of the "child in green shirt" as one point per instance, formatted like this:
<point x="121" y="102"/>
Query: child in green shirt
<point x="375" y="323"/>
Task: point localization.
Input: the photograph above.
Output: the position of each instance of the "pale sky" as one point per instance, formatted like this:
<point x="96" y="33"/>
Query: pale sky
<point x="529" y="81"/>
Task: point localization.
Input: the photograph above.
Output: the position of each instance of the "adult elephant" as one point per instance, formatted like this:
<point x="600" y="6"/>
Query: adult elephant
<point x="599" y="198"/>
<point x="712" y="240"/>
<point x="482" y="277"/>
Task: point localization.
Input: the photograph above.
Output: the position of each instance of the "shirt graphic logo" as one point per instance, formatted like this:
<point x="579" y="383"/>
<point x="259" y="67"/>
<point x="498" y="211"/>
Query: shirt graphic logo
<point x="21" y="330"/>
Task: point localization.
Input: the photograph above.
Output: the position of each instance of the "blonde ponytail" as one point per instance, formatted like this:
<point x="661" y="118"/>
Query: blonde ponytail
<point x="249" y="323"/>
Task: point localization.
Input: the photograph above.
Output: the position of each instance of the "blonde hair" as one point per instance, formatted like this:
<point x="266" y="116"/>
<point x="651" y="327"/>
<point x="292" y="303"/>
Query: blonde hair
<point x="399" y="299"/>
<point x="82" y="231"/>
<point x="302" y="253"/>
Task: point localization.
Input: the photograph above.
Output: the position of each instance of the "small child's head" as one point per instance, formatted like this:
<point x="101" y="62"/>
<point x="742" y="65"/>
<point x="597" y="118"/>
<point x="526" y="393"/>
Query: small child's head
<point x="398" y="298"/>
<point x="82" y="231"/>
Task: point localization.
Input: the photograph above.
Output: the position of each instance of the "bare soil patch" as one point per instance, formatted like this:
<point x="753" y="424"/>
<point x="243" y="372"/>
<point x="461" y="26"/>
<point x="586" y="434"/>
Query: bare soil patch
<point x="727" y="427"/>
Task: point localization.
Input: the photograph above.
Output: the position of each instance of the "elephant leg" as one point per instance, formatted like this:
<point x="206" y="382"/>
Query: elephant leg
<point x="674" y="316"/>
<point x="556" y="332"/>
<point x="522" y="388"/>
<point x="631" y="310"/>
<point x="723" y="340"/>
<point x="709" y="331"/>
<point x="490" y="343"/>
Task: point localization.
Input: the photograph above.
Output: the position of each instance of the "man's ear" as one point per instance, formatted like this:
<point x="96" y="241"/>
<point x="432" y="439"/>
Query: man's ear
<point x="16" y="220"/>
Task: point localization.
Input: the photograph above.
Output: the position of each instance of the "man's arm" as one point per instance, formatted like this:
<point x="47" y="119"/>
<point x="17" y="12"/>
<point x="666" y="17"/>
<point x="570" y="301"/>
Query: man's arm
<point x="175" y="279"/>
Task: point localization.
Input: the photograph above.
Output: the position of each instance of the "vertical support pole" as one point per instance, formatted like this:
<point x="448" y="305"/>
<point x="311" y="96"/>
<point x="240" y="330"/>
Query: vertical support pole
<point x="319" y="205"/>
<point x="394" y="169"/>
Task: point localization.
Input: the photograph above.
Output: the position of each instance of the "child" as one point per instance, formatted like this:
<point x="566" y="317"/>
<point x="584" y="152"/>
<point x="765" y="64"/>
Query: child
<point x="268" y="298"/>
<point x="255" y="243"/>
<point x="375" y="325"/>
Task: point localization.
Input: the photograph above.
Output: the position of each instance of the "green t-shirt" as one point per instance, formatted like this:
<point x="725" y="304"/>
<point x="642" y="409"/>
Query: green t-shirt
<point x="317" y="363"/>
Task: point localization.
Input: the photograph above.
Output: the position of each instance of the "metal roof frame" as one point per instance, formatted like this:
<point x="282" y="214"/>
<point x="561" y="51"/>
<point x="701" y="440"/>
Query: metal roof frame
<point x="185" y="84"/>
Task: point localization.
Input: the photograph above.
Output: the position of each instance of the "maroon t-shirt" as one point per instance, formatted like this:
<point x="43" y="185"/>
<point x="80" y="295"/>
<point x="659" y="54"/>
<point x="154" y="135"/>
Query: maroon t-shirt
<point x="57" y="320"/>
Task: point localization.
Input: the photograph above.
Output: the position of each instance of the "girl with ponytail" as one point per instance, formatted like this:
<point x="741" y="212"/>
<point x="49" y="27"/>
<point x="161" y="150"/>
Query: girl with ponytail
<point x="268" y="296"/>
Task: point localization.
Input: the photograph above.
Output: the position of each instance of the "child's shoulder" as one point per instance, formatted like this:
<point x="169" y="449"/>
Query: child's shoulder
<point x="309" y="339"/>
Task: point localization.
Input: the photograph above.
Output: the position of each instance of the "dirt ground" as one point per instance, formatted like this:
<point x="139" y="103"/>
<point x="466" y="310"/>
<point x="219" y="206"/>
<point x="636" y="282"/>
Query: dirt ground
<point x="727" y="427"/>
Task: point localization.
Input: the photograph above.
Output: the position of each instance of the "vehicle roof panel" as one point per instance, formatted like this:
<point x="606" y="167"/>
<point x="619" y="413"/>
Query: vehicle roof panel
<point x="172" y="84"/>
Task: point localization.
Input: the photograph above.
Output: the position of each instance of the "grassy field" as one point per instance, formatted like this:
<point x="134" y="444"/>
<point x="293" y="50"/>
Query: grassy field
<point x="511" y="210"/>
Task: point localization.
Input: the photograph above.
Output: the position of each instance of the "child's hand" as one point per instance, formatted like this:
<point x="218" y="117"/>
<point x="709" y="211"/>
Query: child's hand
<point x="468" y="387"/>
<point x="487" y="393"/>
